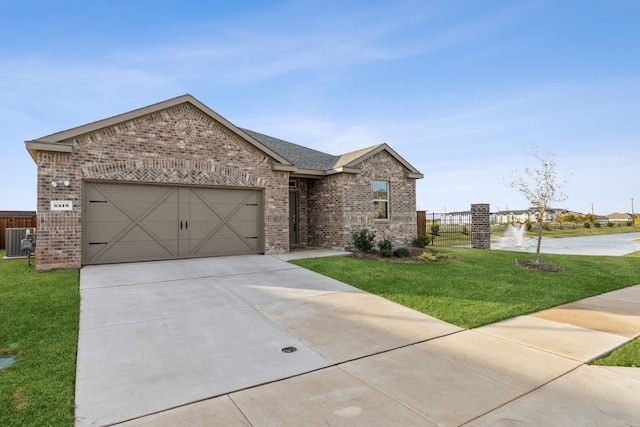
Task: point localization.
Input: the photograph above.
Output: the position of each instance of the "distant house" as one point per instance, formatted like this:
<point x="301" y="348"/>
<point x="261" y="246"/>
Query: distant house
<point x="462" y="217"/>
<point x="619" y="217"/>
<point x="522" y="216"/>
<point x="176" y="180"/>
<point x="514" y="216"/>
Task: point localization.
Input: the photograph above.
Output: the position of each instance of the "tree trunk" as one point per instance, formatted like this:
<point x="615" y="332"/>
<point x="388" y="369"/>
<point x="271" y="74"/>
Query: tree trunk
<point x="539" y="241"/>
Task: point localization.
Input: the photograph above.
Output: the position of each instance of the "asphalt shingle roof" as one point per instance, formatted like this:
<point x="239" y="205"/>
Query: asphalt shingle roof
<point x="307" y="158"/>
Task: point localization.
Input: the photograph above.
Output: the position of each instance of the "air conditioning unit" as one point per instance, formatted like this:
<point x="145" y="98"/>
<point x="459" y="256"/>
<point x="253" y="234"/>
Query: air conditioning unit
<point x="14" y="238"/>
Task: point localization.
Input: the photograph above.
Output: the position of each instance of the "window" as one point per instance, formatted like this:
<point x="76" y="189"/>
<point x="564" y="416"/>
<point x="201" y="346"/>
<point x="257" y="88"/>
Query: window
<point x="380" y="200"/>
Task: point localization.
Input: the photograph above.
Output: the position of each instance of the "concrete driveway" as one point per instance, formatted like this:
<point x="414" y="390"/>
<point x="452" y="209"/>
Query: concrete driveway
<point x="161" y="335"/>
<point x="200" y="342"/>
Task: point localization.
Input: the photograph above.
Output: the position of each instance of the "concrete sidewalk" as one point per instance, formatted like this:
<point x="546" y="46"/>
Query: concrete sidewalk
<point x="145" y="358"/>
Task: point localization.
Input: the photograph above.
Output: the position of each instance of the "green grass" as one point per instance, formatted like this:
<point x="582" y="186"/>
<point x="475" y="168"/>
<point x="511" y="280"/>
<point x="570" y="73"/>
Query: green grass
<point x="627" y="355"/>
<point x="39" y="311"/>
<point x="38" y="323"/>
<point x="481" y="287"/>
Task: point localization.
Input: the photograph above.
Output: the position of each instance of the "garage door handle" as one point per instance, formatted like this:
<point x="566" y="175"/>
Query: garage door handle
<point x="186" y="225"/>
<point x="180" y="225"/>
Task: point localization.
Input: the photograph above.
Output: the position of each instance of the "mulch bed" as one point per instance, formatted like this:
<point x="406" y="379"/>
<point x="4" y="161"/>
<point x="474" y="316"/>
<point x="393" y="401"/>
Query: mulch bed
<point x="414" y="252"/>
<point x="538" y="266"/>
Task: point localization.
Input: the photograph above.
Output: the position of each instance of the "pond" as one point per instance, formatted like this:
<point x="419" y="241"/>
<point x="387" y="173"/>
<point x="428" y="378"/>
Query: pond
<point x="608" y="244"/>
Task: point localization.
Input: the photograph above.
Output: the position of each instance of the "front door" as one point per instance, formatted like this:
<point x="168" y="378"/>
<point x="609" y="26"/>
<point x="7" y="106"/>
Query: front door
<point x="294" y="240"/>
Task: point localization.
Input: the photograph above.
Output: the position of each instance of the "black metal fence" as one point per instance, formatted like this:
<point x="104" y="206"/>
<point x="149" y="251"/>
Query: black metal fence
<point x="446" y="229"/>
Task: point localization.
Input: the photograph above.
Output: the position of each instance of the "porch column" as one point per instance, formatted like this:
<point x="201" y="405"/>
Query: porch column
<point x="480" y="226"/>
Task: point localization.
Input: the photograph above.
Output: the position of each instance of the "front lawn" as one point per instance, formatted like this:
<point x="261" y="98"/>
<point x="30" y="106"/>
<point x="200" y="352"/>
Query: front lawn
<point x="39" y="325"/>
<point x="39" y="312"/>
<point x="481" y="286"/>
<point x="627" y="355"/>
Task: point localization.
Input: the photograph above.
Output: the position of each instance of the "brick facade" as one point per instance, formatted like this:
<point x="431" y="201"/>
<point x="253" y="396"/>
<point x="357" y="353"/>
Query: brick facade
<point x="342" y="204"/>
<point x="180" y="145"/>
<point x="182" y="142"/>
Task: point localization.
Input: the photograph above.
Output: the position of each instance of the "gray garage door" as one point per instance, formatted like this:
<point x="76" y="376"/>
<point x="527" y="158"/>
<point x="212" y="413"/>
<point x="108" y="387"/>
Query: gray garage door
<point x="134" y="222"/>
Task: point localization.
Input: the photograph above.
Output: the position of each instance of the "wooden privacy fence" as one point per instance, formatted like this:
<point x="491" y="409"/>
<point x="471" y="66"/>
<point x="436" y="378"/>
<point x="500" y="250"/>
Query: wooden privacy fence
<point x="15" y="219"/>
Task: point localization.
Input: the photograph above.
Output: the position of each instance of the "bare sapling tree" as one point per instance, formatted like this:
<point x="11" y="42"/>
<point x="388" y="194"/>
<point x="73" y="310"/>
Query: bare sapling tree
<point x="540" y="186"/>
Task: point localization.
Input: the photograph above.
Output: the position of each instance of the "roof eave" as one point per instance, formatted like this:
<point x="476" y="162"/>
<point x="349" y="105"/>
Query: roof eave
<point x="412" y="175"/>
<point x="39" y="145"/>
<point x="284" y="168"/>
<point x="343" y="169"/>
<point x="315" y="173"/>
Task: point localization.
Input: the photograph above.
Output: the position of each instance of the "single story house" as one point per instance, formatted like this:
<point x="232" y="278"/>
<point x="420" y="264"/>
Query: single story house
<point x="177" y="180"/>
<point x="522" y="216"/>
<point x="619" y="218"/>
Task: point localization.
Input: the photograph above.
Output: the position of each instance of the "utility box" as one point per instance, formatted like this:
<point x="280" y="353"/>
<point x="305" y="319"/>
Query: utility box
<point x="14" y="241"/>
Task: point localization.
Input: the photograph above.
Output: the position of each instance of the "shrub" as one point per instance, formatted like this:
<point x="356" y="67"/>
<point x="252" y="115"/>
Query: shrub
<point x="586" y="224"/>
<point x="385" y="243"/>
<point x="528" y="225"/>
<point x="386" y="247"/>
<point x="422" y="240"/>
<point x="427" y="257"/>
<point x="363" y="240"/>
<point x="610" y="224"/>
<point x="386" y="253"/>
<point x="628" y="223"/>
<point x="435" y="228"/>
<point x="402" y="252"/>
<point x="596" y="224"/>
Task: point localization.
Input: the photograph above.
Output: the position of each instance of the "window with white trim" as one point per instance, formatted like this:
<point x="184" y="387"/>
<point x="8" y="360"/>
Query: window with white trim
<point x="380" y="200"/>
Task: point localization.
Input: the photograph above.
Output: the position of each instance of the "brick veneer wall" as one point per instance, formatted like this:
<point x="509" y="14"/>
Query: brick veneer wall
<point x="325" y="204"/>
<point x="342" y="204"/>
<point x="480" y="226"/>
<point x="179" y="145"/>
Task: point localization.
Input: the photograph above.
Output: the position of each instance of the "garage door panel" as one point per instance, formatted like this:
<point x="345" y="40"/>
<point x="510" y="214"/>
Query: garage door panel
<point x="132" y="222"/>
<point x="245" y="214"/>
<point x="104" y="231"/>
<point x="108" y="230"/>
<point x="128" y="251"/>
<point x="149" y="210"/>
<point x="148" y="234"/>
<point x="227" y="246"/>
<point x="106" y="211"/>
<point x="216" y="196"/>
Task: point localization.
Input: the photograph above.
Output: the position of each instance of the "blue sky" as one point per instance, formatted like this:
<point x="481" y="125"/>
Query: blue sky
<point x="458" y="88"/>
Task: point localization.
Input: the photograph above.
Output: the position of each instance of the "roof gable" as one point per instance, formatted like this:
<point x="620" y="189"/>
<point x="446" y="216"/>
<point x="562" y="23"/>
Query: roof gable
<point x="60" y="141"/>
<point x="287" y="156"/>
<point x="356" y="157"/>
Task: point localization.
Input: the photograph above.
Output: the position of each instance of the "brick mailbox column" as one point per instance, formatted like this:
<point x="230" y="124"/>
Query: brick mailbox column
<point x="480" y="226"/>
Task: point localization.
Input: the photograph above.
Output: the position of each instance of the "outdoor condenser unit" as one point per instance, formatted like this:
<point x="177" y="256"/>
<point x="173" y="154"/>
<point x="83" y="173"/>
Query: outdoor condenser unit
<point x="14" y="237"/>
